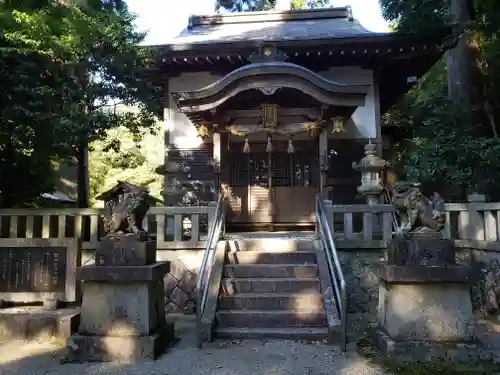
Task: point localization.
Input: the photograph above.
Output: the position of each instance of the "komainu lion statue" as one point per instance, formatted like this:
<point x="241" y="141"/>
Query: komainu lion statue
<point x="125" y="207"/>
<point x="418" y="214"/>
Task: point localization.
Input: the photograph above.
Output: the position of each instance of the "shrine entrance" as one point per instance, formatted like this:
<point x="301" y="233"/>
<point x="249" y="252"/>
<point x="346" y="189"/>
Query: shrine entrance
<point x="270" y="118"/>
<point x="273" y="189"/>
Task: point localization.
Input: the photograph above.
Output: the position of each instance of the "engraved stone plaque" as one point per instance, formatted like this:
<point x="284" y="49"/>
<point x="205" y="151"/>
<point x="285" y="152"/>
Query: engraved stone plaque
<point x="32" y="269"/>
<point x="35" y="269"/>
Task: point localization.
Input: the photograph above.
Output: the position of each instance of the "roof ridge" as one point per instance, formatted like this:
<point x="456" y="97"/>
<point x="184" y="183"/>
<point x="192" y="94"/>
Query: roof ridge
<point x="344" y="12"/>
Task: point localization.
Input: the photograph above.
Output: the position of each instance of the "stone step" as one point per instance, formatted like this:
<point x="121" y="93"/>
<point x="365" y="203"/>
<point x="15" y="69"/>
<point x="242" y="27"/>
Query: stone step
<point x="287" y="333"/>
<point x="20" y="323"/>
<point x="304" y="271"/>
<point x="270" y="318"/>
<point x="271" y="257"/>
<point x="231" y="286"/>
<point x="276" y="243"/>
<point x="273" y="301"/>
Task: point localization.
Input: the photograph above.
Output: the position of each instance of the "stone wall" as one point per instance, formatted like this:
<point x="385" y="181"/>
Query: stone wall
<point x="360" y="272"/>
<point x="180" y="282"/>
<point x="485" y="263"/>
<point x="362" y="282"/>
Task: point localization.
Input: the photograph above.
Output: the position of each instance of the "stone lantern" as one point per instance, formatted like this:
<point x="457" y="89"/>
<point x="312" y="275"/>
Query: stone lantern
<point x="370" y="168"/>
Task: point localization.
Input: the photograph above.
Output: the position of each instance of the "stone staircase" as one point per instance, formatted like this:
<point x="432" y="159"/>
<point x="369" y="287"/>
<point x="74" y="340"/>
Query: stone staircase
<point x="272" y="288"/>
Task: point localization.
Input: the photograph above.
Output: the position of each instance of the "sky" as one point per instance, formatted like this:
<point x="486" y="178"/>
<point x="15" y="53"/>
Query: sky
<point x="165" y="19"/>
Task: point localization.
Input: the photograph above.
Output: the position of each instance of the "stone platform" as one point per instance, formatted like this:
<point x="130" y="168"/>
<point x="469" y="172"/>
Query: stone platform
<point x="429" y="351"/>
<point x="36" y="322"/>
<point x="425" y="309"/>
<point x="107" y="348"/>
<point x="123" y="304"/>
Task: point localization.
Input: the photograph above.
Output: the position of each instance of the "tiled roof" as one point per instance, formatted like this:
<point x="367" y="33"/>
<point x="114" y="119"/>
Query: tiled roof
<point x="210" y="30"/>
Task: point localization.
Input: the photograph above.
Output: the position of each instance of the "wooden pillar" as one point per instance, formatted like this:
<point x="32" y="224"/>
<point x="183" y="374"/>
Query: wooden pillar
<point x="323" y="161"/>
<point x="378" y="123"/>
<point x="224" y="161"/>
<point x="217" y="161"/>
<point x="168" y="123"/>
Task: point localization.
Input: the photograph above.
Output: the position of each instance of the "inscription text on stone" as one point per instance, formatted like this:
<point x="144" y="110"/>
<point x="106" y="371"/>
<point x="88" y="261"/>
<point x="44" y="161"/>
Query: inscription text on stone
<point x="32" y="269"/>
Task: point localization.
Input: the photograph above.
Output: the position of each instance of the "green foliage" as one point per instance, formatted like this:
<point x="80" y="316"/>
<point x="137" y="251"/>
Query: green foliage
<point x="61" y="66"/>
<point x="245" y="5"/>
<point x="309" y="4"/>
<point x="442" y="150"/>
<point x="256" y="5"/>
<point x="135" y="162"/>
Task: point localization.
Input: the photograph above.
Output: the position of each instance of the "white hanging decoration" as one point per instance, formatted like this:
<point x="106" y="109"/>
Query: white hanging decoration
<point x="269" y="146"/>
<point x="291" y="149"/>
<point x="246" y="147"/>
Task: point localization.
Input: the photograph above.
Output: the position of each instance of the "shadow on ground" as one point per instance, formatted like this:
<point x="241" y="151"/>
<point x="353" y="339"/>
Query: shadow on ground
<point x="218" y="358"/>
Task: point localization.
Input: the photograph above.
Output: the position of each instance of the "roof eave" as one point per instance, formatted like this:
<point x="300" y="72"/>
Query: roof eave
<point x="435" y="35"/>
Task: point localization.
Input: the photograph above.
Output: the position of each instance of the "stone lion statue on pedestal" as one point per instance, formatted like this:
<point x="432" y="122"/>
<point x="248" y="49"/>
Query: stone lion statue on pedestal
<point x="418" y="214"/>
<point x="125" y="207"/>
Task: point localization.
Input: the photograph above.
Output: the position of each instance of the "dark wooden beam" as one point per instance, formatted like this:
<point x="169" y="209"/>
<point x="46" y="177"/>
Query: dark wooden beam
<point x="304" y="112"/>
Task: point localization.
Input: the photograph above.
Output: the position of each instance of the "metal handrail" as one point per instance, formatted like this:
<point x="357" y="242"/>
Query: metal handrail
<point x="334" y="267"/>
<point x="214" y="233"/>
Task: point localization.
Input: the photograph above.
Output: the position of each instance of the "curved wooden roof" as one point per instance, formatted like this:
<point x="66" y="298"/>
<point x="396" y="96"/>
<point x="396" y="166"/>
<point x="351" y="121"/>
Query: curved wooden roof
<point x="270" y="77"/>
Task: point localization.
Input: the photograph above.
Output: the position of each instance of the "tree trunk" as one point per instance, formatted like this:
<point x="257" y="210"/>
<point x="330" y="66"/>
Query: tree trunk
<point x="82" y="175"/>
<point x="464" y="77"/>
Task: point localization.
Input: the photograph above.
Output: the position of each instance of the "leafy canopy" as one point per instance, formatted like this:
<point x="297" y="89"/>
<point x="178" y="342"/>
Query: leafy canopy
<point x="259" y="5"/>
<point x="63" y="67"/>
<point x="442" y="149"/>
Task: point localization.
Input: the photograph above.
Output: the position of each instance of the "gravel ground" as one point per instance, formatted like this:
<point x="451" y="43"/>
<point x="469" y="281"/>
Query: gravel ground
<point x="218" y="358"/>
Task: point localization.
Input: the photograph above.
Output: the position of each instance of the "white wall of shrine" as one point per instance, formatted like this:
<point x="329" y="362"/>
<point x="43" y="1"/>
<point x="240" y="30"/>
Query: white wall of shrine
<point x="182" y="133"/>
<point x="364" y="123"/>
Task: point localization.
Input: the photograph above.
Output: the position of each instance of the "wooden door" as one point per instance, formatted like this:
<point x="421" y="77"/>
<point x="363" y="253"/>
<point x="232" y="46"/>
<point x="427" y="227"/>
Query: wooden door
<point x="273" y="188"/>
<point x="294" y="186"/>
<point x="249" y="185"/>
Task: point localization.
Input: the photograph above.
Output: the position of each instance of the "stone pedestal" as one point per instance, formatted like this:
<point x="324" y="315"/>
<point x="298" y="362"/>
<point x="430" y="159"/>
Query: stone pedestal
<point x="425" y="309"/>
<point x="123" y="305"/>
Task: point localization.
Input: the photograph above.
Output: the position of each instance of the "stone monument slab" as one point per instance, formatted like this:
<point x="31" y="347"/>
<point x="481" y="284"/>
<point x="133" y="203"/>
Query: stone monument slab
<point x="39" y="270"/>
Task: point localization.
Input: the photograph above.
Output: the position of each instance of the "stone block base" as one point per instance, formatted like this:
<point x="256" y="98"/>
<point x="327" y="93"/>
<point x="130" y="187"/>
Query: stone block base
<point x="118" y="348"/>
<point x="427" y="351"/>
<point x="31" y="323"/>
<point x="134" y="308"/>
<point x="125" y="250"/>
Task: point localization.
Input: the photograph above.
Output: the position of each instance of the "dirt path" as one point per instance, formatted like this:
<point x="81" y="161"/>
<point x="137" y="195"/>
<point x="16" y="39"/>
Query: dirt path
<point x="218" y="358"/>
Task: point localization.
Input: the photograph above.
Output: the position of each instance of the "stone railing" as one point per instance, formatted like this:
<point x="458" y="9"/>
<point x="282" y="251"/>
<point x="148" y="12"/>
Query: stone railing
<point x="173" y="227"/>
<point x="354" y="226"/>
<point x="365" y="226"/>
<point x="361" y="225"/>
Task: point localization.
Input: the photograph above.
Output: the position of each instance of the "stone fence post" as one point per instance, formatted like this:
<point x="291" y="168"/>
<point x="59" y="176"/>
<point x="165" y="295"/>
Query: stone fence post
<point x="471" y="222"/>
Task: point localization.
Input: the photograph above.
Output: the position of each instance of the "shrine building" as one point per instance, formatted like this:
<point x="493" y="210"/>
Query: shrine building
<point x="273" y="107"/>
